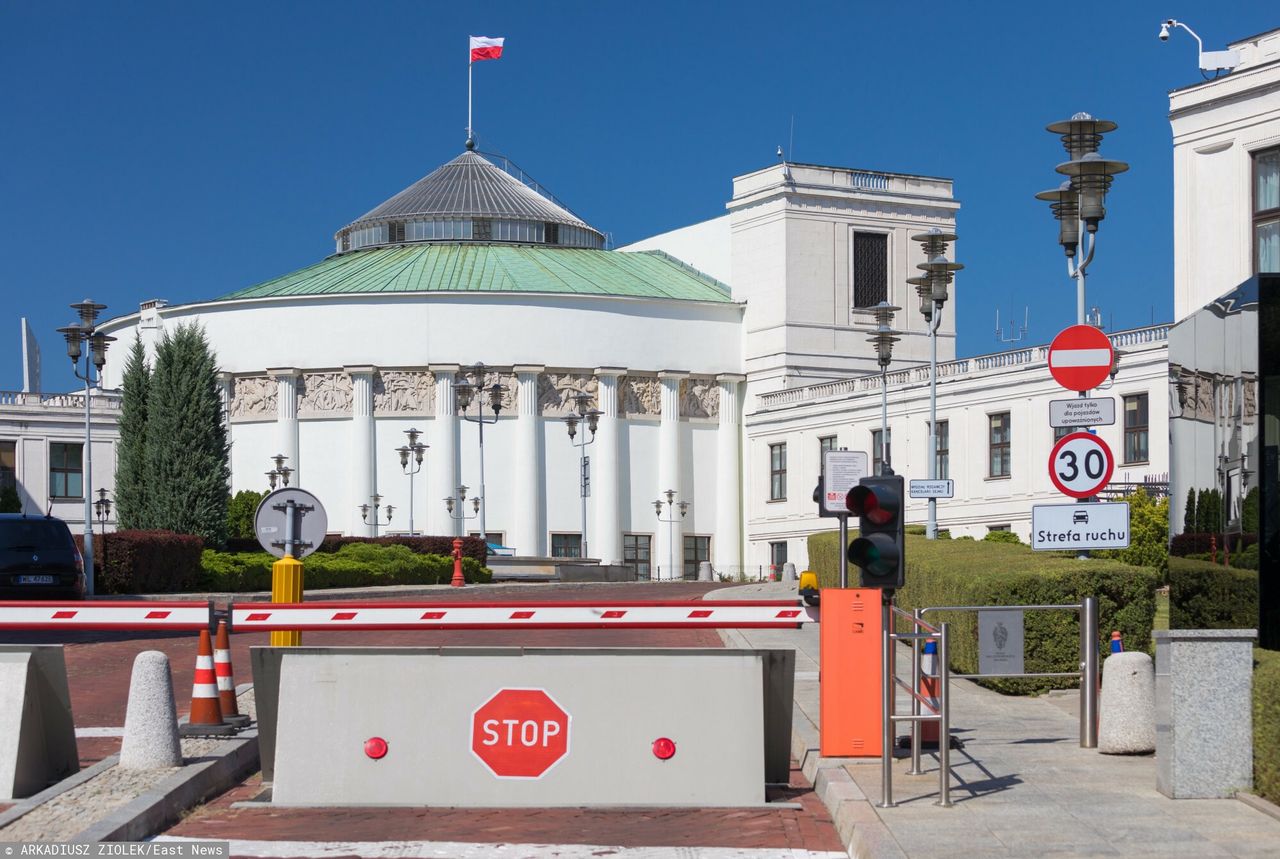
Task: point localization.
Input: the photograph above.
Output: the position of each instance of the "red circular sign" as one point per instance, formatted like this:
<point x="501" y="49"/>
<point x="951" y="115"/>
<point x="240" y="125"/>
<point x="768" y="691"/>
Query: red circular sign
<point x="520" y="733"/>
<point x="1080" y="464"/>
<point x="1080" y="357"/>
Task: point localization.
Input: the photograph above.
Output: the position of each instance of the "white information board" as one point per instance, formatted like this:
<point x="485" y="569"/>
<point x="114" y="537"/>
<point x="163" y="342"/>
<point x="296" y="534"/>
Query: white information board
<point x="932" y="489"/>
<point x="1080" y="526"/>
<point x="1099" y="412"/>
<point x="842" y="469"/>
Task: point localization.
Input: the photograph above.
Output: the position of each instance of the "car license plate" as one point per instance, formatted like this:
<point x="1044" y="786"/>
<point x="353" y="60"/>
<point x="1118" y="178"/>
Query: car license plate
<point x="37" y="580"/>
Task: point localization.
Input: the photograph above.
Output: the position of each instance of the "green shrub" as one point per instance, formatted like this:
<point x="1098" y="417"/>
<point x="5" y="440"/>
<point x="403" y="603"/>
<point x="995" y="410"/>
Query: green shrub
<point x="352" y="565"/>
<point x="1001" y="537"/>
<point x="1249" y="511"/>
<point x="1209" y="596"/>
<point x="1266" y="724"/>
<point x="145" y="562"/>
<point x="1148" y="534"/>
<point x="1247" y="558"/>
<point x="1189" y="519"/>
<point x="9" y="500"/>
<point x="240" y="513"/>
<point x="960" y="572"/>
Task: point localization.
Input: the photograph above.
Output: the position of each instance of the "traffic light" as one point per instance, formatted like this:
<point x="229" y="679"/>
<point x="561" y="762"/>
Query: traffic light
<point x="879" y="550"/>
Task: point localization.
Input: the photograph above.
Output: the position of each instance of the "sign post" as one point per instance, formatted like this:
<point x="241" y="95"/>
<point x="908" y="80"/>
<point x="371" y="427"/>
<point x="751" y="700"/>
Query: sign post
<point x="1080" y="464"/>
<point x="841" y="470"/>
<point x="1080" y="526"/>
<point x="944" y="488"/>
<point x="290" y="524"/>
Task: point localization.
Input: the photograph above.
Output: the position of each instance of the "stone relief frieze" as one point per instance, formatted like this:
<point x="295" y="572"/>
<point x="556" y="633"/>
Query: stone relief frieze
<point x="324" y="393"/>
<point x="699" y="398"/>
<point x="254" y="397"/>
<point x="640" y="396"/>
<point x="404" y="391"/>
<point x="556" y="392"/>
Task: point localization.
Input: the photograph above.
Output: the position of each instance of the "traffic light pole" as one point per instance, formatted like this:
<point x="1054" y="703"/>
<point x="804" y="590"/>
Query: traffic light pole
<point x="888" y="695"/>
<point x="844" y="551"/>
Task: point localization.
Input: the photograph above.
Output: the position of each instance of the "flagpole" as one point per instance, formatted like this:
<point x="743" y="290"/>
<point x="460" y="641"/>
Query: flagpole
<point x="470" y="63"/>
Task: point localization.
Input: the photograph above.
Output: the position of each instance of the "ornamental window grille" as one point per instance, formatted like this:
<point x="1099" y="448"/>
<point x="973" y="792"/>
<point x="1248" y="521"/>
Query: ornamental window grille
<point x="870" y="269"/>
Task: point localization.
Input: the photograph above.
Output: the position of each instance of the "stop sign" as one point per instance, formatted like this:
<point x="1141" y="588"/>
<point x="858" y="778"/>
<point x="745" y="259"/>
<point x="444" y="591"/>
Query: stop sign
<point x="520" y="733"/>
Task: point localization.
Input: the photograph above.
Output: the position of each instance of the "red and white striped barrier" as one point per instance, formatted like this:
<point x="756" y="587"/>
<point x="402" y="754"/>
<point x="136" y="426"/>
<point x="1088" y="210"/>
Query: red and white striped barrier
<point x="267" y="617"/>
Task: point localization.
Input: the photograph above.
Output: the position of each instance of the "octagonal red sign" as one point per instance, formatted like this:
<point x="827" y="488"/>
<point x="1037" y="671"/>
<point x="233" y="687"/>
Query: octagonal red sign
<point x="520" y="733"/>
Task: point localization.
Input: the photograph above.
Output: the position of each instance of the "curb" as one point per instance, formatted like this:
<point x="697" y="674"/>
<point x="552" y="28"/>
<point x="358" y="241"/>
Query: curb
<point x="23" y="806"/>
<point x="151" y="812"/>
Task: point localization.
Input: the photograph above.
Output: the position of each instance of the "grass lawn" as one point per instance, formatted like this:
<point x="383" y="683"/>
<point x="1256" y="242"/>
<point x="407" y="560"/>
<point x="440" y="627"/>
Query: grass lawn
<point x="1162" y="610"/>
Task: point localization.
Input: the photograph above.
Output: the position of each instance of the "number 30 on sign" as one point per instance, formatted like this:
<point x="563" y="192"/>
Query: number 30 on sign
<point x="1080" y="464"/>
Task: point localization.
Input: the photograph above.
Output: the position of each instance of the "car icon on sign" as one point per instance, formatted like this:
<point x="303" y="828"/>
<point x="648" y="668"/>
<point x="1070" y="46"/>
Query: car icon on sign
<point x="1080" y="517"/>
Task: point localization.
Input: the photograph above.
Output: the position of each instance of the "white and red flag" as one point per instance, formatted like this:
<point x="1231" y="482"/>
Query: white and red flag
<point x="485" y="48"/>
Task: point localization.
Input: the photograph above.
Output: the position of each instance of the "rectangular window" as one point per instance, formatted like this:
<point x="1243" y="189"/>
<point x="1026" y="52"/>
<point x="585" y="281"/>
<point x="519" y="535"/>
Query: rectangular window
<point x="778" y="554"/>
<point x="696" y="550"/>
<point x="877" y="464"/>
<point x="551" y="232"/>
<point x="998" y="451"/>
<point x="826" y="443"/>
<point x="778" y="471"/>
<point x="566" y="545"/>
<point x="1135" y="428"/>
<point x="870" y="269"/>
<point x="1266" y="210"/>
<point x="493" y="538"/>
<point x="943" y="442"/>
<point x="482" y="229"/>
<point x="635" y="554"/>
<point x="8" y="464"/>
<point x="66" y="470"/>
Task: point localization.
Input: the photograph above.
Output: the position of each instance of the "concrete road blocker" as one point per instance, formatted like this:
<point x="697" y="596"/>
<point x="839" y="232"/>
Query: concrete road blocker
<point x="37" y="733"/>
<point x="536" y="727"/>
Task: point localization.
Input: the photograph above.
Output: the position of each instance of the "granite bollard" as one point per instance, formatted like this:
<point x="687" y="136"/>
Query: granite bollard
<point x="1127" y="724"/>
<point x="151" y="720"/>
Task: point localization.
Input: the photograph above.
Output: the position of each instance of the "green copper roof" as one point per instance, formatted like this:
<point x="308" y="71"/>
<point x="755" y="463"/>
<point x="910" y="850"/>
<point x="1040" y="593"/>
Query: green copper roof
<point x="495" y="268"/>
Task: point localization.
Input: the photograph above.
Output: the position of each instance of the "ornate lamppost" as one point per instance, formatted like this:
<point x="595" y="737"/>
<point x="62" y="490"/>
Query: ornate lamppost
<point x="411" y="463"/>
<point x="367" y="509"/>
<point x="883" y="338"/>
<point x="465" y="393"/>
<point x="592" y="418"/>
<point x="670" y="519"/>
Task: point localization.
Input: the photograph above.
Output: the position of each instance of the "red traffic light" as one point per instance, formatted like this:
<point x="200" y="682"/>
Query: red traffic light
<point x="865" y="503"/>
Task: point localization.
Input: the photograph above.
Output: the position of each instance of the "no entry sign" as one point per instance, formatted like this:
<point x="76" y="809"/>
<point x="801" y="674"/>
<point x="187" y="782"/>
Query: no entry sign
<point x="1080" y="357"/>
<point x="1080" y="464"/>
<point x="520" y="733"/>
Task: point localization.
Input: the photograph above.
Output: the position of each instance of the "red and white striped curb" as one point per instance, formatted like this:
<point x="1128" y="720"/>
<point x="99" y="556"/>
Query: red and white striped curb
<point x="264" y="617"/>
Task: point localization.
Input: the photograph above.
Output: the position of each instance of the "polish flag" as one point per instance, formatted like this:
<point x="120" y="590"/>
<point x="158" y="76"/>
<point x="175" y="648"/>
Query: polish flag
<point x="485" y="48"/>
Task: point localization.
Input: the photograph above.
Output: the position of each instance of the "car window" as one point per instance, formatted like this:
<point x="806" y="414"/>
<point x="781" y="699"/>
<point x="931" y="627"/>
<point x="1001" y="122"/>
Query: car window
<point x="20" y="534"/>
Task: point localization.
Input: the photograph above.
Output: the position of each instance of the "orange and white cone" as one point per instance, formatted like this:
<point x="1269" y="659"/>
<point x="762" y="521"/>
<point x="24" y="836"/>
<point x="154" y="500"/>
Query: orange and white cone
<point x="226" y="677"/>
<point x="929" y="691"/>
<point x="205" y="711"/>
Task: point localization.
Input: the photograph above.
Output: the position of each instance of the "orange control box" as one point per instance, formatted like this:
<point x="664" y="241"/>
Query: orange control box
<point x="850" y="687"/>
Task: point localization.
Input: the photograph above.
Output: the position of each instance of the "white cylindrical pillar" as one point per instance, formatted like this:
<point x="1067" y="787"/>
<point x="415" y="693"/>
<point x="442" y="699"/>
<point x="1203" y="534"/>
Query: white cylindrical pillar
<point x="442" y="459"/>
<point x="606" y="488"/>
<point x="726" y="545"/>
<point x="287" y="418"/>
<point x="528" y="535"/>
<point x="670" y="556"/>
<point x="363" y="479"/>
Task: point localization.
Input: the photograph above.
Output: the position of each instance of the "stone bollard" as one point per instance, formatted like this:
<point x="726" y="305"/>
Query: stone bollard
<point x="788" y="572"/>
<point x="704" y="571"/>
<point x="1127" y="725"/>
<point x="151" y="721"/>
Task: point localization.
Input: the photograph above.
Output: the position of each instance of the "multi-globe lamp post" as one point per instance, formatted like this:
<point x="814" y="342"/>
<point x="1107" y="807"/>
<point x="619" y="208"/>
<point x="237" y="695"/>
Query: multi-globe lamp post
<point x="279" y="474"/>
<point x="476" y="390"/>
<point x="670" y="519"/>
<point x="932" y="287"/>
<point x="411" y="456"/>
<point x="372" y="509"/>
<point x="590" y="416"/>
<point x="461" y="504"/>
<point x="78" y="335"/>
<point x="883" y="337"/>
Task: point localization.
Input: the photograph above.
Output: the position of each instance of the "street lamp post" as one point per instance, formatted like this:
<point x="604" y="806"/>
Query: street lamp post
<point x="465" y="392"/>
<point x="460" y="503"/>
<point x="366" y="509"/>
<point x="77" y="335"/>
<point x="280" y="473"/>
<point x="411" y="463"/>
<point x="592" y="417"/>
<point x="670" y="519"/>
<point x="932" y="289"/>
<point x="883" y="338"/>
<point x="102" y="508"/>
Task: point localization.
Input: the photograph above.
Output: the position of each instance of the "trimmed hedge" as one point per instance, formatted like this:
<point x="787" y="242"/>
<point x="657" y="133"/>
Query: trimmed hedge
<point x="1192" y="543"/>
<point x="472" y="547"/>
<point x="144" y="562"/>
<point x="1266" y="724"/>
<point x="356" y="564"/>
<point x="962" y="572"/>
<point x="1210" y="596"/>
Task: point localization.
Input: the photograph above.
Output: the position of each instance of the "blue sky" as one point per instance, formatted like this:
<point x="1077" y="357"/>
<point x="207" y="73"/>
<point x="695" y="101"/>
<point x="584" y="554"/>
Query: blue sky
<point x="184" y="150"/>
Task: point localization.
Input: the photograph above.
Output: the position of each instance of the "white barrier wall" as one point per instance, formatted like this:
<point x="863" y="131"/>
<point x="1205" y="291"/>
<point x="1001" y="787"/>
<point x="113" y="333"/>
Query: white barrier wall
<point x="37" y="734"/>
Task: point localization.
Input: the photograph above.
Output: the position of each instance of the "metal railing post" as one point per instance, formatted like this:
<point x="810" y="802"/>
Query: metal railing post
<point x="915" y="702"/>
<point x="1089" y="673"/>
<point x="888" y="694"/>
<point x="944" y="712"/>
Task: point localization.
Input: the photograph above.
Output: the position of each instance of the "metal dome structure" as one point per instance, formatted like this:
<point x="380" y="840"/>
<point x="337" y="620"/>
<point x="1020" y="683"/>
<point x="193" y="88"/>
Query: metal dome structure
<point x="469" y="199"/>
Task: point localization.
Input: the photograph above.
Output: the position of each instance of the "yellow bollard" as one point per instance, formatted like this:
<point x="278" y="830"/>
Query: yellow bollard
<point x="286" y="586"/>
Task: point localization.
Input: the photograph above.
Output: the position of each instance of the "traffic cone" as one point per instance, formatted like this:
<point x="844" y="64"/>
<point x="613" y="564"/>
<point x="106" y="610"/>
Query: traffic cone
<point x="929" y="691"/>
<point x="206" y="715"/>
<point x="226" y="678"/>
<point x="1117" y="646"/>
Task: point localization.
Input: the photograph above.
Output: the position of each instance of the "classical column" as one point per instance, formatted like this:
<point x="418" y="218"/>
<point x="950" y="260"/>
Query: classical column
<point x="529" y="536"/>
<point x="287" y="418"/>
<point x="442" y="459"/>
<point x="606" y="488"/>
<point x="726" y="545"/>
<point x="363" y="469"/>
<point x="670" y="554"/>
<point x="226" y="393"/>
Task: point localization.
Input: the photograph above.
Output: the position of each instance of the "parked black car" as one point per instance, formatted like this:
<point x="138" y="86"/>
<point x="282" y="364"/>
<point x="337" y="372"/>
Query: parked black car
<point x="38" y="559"/>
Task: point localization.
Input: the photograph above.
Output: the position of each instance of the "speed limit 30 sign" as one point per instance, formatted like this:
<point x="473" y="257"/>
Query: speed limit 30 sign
<point x="1080" y="464"/>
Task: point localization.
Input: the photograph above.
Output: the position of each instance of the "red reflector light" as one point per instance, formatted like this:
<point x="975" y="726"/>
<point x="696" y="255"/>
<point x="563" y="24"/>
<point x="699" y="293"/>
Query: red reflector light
<point x="664" y="749"/>
<point x="376" y="748"/>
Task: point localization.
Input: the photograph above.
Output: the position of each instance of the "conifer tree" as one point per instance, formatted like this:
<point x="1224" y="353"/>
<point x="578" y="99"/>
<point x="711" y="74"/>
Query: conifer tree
<point x="131" y="462"/>
<point x="186" y="449"/>
<point x="1189" y="519"/>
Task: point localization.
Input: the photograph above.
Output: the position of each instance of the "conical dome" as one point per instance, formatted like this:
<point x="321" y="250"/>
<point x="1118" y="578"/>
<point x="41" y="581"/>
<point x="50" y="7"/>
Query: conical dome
<point x="469" y="199"/>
